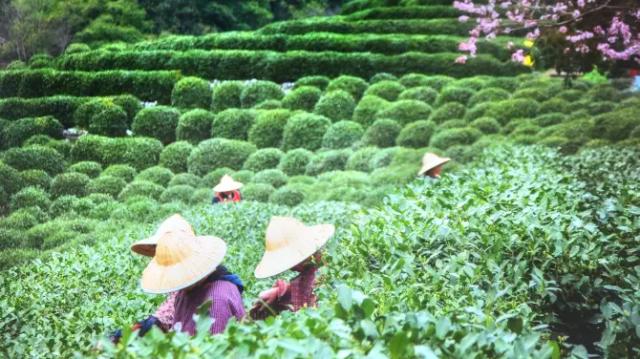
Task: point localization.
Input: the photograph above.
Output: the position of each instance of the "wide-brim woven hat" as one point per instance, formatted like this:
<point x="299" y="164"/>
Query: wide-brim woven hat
<point x="431" y="161"/>
<point x="175" y="225"/>
<point x="180" y="262"/>
<point x="227" y="184"/>
<point x="288" y="243"/>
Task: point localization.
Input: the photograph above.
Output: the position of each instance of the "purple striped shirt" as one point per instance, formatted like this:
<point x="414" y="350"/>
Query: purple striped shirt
<point x="226" y="302"/>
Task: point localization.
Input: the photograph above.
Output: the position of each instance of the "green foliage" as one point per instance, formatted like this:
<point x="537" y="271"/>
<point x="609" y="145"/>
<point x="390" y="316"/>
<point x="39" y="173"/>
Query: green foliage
<point x="305" y="131"/>
<point x="416" y="134"/>
<point x="454" y="93"/>
<point x="158" y="175"/>
<point x="337" y="105"/>
<point x="187" y="179"/>
<point x="35" y="178"/>
<point x="71" y="184"/>
<point x="77" y="48"/>
<point x="505" y="111"/>
<point x="382" y="76"/>
<point x="487" y="125"/>
<point x="415" y="80"/>
<point x="243" y="176"/>
<point x="342" y="134"/>
<point x="16" y="132"/>
<point x="125" y="172"/>
<point x="455" y="123"/>
<point x="180" y="193"/>
<point x="616" y="126"/>
<point x="268" y="128"/>
<point x="448" y="111"/>
<point x="273" y="177"/>
<point x="406" y="111"/>
<point x="319" y="82"/>
<point x="226" y="95"/>
<point x="111" y="121"/>
<point x="213" y="177"/>
<point x="455" y="136"/>
<point x="478" y="111"/>
<point x="259" y="192"/>
<point x="263" y="159"/>
<point x="488" y="95"/>
<point x="194" y="126"/>
<point x="382" y="133"/>
<point x="233" y="124"/>
<point x="302" y="98"/>
<point x="176" y="155"/>
<point x="549" y="119"/>
<point x="554" y="105"/>
<point x="360" y="160"/>
<point x="158" y="122"/>
<point x="295" y="161"/>
<point x="34" y="157"/>
<point x="421" y="93"/>
<point x="141" y="188"/>
<point x="191" y="92"/>
<point x="138" y="152"/>
<point x="287" y="196"/>
<point x="388" y="90"/>
<point x="106" y="184"/>
<point x="367" y="109"/>
<point x="89" y="168"/>
<point x="355" y="86"/>
<point x="260" y="91"/>
<point x="327" y="161"/>
<point x="30" y="197"/>
<point x="219" y="152"/>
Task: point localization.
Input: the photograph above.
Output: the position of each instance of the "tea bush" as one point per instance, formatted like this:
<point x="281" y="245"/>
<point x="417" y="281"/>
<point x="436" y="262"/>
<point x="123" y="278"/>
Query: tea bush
<point x="355" y="86"/>
<point x="268" y="128"/>
<point x="259" y="192"/>
<point x="233" y="124"/>
<point x="337" y="105"/>
<point x="219" y="152"/>
<point x="125" y="172"/>
<point x="141" y="189"/>
<point x="423" y="93"/>
<point x="287" y="196"/>
<point x="17" y="132"/>
<point x="30" y="197"/>
<point x="367" y="109"/>
<point x="319" y="82"/>
<point x="72" y="184"/>
<point x="342" y="134"/>
<point x="89" y="168"/>
<point x="158" y="122"/>
<point x="505" y="111"/>
<point x="382" y="133"/>
<point x="260" y="91"/>
<point x="35" y="178"/>
<point x="226" y="95"/>
<point x="487" y="125"/>
<point x="416" y="134"/>
<point x="105" y="184"/>
<point x="305" y="131"/>
<point x="488" y="95"/>
<point x="191" y="92"/>
<point x="295" y="162"/>
<point x="263" y="159"/>
<point x="334" y="160"/>
<point x="406" y="111"/>
<point x="158" y="175"/>
<point x="302" y="98"/>
<point x="273" y="177"/>
<point x="176" y="155"/>
<point x="213" y="178"/>
<point x="194" y="126"/>
<point x="455" y="136"/>
<point x="388" y="90"/>
<point x="187" y="179"/>
<point x="360" y="160"/>
<point x="454" y="94"/>
<point x="448" y="111"/>
<point x="180" y="193"/>
<point x="34" y="157"/>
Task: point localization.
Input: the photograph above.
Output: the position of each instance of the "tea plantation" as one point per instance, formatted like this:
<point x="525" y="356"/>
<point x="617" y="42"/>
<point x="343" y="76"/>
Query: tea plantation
<point x="526" y="247"/>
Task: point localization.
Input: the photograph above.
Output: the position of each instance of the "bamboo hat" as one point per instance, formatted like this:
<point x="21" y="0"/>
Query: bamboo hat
<point x="175" y="225"/>
<point x="289" y="242"/>
<point x="431" y="161"/>
<point x="181" y="261"/>
<point x="227" y="184"/>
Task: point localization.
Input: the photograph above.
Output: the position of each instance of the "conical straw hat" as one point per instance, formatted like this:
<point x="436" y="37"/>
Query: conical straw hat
<point x="175" y="225"/>
<point x="227" y="184"/>
<point x="431" y="161"/>
<point x="288" y="243"/>
<point x="181" y="261"/>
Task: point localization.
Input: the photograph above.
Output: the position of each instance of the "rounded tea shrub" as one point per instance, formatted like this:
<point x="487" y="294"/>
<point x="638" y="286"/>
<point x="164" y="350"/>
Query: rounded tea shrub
<point x="194" y="126"/>
<point x="287" y="196"/>
<point x="226" y="95"/>
<point x="30" y="197"/>
<point x="505" y="111"/>
<point x="305" y="131"/>
<point x="616" y="126"/>
<point x="201" y="196"/>
<point x="506" y="83"/>
<point x="342" y="134"/>
<point x="274" y="177"/>
<point x="535" y="94"/>
<point x="388" y="90"/>
<point x="180" y="193"/>
<point x="382" y="133"/>
<point x="35" y="178"/>
<point x="191" y="92"/>
<point x="233" y="124"/>
<point x="268" y="105"/>
<point x="158" y="175"/>
<point x="72" y="184"/>
<point x="9" y="180"/>
<point x="130" y="104"/>
<point x="487" y="125"/>
<point x="368" y="108"/>
<point x="108" y="185"/>
<point x="302" y="98"/>
<point x="334" y="160"/>
<point x="42" y="140"/>
<point x="243" y="176"/>
<point x="110" y="121"/>
<point x="488" y="95"/>
<point x="414" y="80"/>
<point x="219" y="152"/>
<point x="295" y="162"/>
<point x="454" y="94"/>
<point x="597" y="108"/>
<point x="158" y="122"/>
<point x="416" y="134"/>
<point x="336" y="105"/>
<point x="360" y="160"/>
<point x="448" y="111"/>
<point x="259" y="192"/>
<point x="35" y="157"/>
<point x="17" y="132"/>
<point x="141" y="188"/>
<point x="477" y="111"/>
<point x="455" y="123"/>
<point x="176" y="155"/>
<point x="125" y="172"/>
<point x="260" y="91"/>
<point x="550" y="119"/>
<point x="268" y="128"/>
<point x="422" y="93"/>
<point x="438" y="82"/>
<point x="455" y="136"/>
<point x="186" y="179"/>
<point x="213" y="177"/>
<point x="472" y="83"/>
<point x="554" y="105"/>
<point x="406" y="111"/>
<point x="382" y="76"/>
<point x="90" y="168"/>
<point x="263" y="159"/>
<point x="355" y="86"/>
<point x="320" y="82"/>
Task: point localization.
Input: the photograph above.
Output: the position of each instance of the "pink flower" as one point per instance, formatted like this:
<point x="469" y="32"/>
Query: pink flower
<point x="463" y="18"/>
<point x="518" y="56"/>
<point x="461" y="59"/>
<point x="562" y="29"/>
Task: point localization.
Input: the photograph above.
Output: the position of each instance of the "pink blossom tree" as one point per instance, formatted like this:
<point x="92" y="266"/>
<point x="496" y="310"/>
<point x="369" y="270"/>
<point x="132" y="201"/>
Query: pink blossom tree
<point x="570" y="35"/>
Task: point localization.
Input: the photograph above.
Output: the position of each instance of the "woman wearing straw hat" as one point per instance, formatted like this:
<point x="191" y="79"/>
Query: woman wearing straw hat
<point x="290" y="245"/>
<point x="188" y="266"/>
<point x="432" y="165"/>
<point x="227" y="190"/>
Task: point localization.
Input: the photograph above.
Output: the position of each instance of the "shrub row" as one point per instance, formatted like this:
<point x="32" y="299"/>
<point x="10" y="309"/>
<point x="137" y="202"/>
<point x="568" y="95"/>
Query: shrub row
<point x="139" y="152"/>
<point x="406" y="12"/>
<point x="282" y="67"/>
<point x="146" y="85"/>
<point x="359" y="5"/>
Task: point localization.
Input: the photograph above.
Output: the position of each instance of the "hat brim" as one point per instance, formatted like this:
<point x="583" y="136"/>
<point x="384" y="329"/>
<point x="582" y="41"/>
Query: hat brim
<point x="207" y="256"/>
<point x="146" y="247"/>
<point x="227" y="187"/>
<point x="432" y="165"/>
<point x="281" y="260"/>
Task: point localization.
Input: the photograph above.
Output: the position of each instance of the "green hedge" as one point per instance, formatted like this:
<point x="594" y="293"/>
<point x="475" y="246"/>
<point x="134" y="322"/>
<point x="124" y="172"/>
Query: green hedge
<point x="488" y="95"/>
<point x="139" y="152"/>
<point x="406" y="12"/>
<point x="416" y="134"/>
<point x="368" y="108"/>
<point x="31" y="197"/>
<point x="287" y="196"/>
<point x="319" y="82"/>
<point x="233" y="123"/>
<point x="35" y="178"/>
<point x="226" y="95"/>
<point x="420" y="93"/>
<point x="388" y="90"/>
<point x="34" y="157"/>
<point x="455" y="136"/>
<point x="175" y="156"/>
<point x="448" y="111"/>
<point x="16" y="132"/>
<point x="305" y="131"/>
<point x="108" y="185"/>
<point x="616" y="126"/>
<point x="454" y="94"/>
<point x="333" y="160"/>
<point x="262" y="159"/>
<point x="336" y="105"/>
<point x="273" y="177"/>
<point x="186" y="179"/>
<point x="360" y="160"/>
<point x="342" y="134"/>
<point x="191" y="92"/>
<point x="60" y="107"/>
<point x="180" y="193"/>
<point x="125" y="172"/>
<point x="158" y="122"/>
<point x="406" y="111"/>
<point x="146" y="85"/>
<point x="382" y="133"/>
<point x="156" y="174"/>
<point x="302" y="98"/>
<point x="259" y="91"/>
<point x="194" y="126"/>
<point x="219" y="152"/>
<point x="505" y="111"/>
<point x="89" y="168"/>
<point x="69" y="184"/>
<point x="141" y="188"/>
<point x="486" y="125"/>
<point x="268" y="128"/>
<point x="287" y="66"/>
<point x="259" y="192"/>
<point x="295" y="162"/>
